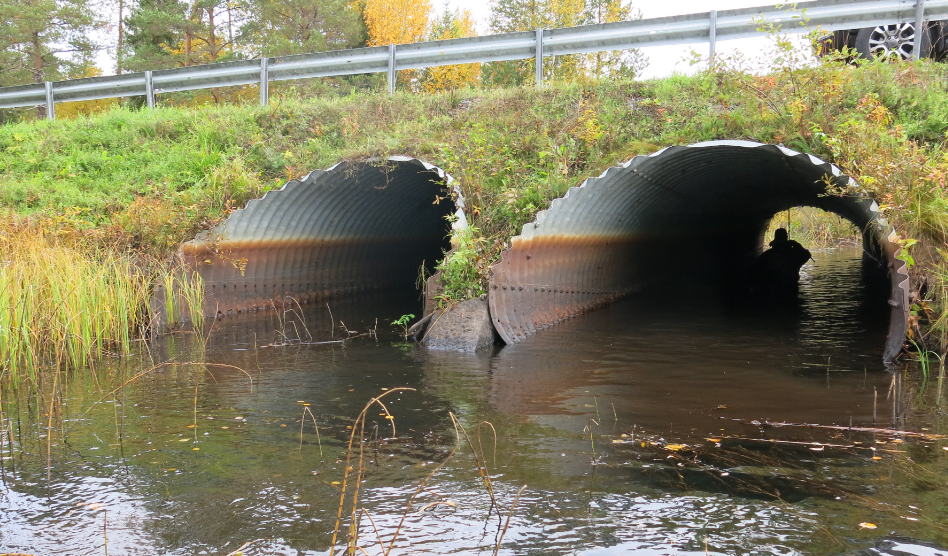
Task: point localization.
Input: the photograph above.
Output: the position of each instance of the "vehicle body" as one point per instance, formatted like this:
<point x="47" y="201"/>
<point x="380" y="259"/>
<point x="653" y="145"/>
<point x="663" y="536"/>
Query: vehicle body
<point x="894" y="40"/>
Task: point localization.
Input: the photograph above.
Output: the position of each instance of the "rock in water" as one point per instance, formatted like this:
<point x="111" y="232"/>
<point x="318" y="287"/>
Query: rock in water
<point x="464" y="327"/>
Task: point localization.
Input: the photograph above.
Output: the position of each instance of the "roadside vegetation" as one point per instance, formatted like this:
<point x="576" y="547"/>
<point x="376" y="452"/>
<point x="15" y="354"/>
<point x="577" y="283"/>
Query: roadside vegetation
<point x="138" y="182"/>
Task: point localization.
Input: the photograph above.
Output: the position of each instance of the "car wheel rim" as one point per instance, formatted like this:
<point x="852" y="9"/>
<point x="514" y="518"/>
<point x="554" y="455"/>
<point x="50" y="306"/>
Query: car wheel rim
<point x="892" y="40"/>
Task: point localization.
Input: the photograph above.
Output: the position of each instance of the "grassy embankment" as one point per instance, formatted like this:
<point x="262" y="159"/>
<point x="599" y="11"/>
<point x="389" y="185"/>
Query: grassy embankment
<point x="136" y="183"/>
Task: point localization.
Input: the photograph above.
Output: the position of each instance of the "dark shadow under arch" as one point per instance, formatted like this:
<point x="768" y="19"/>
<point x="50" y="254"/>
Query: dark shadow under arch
<point x="656" y="222"/>
<point x="354" y="228"/>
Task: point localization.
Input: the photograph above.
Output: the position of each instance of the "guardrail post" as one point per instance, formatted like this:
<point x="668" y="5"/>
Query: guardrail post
<point x="713" y="36"/>
<point x="919" y="29"/>
<point x="539" y="57"/>
<point x="149" y="90"/>
<point x="391" y="69"/>
<point x="264" y="80"/>
<point x="50" y="105"/>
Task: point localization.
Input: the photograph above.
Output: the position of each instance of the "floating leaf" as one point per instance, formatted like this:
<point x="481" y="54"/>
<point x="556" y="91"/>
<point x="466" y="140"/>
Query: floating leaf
<point x="675" y="447"/>
<point x="867" y="525"/>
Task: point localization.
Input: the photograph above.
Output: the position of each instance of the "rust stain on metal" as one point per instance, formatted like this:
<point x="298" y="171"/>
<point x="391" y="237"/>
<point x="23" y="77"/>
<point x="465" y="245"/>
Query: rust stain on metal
<point x="348" y="230"/>
<point x="612" y="235"/>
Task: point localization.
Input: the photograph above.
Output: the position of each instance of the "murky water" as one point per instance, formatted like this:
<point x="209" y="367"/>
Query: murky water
<point x="660" y="426"/>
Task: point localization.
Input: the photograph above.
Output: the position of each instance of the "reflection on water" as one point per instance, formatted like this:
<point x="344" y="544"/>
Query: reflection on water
<point x="660" y="426"/>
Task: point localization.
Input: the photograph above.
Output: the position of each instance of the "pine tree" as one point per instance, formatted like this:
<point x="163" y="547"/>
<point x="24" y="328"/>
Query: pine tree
<point x="281" y="27"/>
<point x="173" y="33"/>
<point x="44" y="40"/>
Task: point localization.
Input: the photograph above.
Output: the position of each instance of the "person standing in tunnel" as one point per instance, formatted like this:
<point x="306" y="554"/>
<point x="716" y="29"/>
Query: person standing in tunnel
<point x="777" y="269"/>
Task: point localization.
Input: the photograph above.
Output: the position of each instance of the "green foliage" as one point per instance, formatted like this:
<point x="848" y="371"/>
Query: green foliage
<point x="282" y="27"/>
<point x="464" y="269"/>
<point x="403" y="321"/>
<point x="152" y="178"/>
<point x="44" y="40"/>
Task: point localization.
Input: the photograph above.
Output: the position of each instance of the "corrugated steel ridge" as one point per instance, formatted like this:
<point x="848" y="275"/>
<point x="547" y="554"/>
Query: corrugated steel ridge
<point x="574" y="256"/>
<point x="354" y="227"/>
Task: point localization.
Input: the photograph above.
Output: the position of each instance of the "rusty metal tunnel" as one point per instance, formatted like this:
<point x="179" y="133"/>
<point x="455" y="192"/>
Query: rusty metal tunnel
<point x="351" y="229"/>
<point x="687" y="218"/>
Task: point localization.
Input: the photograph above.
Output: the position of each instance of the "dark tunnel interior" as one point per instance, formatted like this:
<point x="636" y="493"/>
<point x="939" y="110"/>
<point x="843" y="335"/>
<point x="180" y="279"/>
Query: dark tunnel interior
<point x="350" y="230"/>
<point x="688" y="220"/>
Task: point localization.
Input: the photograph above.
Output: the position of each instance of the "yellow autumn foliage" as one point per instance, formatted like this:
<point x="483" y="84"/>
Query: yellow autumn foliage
<point x="445" y="78"/>
<point x="396" y="21"/>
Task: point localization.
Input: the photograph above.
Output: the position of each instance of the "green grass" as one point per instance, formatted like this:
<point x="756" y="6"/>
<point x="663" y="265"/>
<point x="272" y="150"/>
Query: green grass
<point x="65" y="302"/>
<point x="152" y="178"/>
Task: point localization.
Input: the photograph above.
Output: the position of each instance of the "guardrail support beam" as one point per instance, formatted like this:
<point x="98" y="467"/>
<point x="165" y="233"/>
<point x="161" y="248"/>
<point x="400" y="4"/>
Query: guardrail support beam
<point x="919" y="29"/>
<point x="539" y="57"/>
<point x="264" y="81"/>
<point x="50" y="105"/>
<point x="149" y="90"/>
<point x="391" y="69"/>
<point x="713" y="37"/>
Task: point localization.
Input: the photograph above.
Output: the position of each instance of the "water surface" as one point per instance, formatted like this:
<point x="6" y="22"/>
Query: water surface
<point x="656" y="426"/>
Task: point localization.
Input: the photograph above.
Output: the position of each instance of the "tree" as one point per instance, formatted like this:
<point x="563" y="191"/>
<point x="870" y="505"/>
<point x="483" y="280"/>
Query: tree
<point x="616" y="63"/>
<point x="509" y="16"/>
<point x="396" y="21"/>
<point x="527" y="15"/>
<point x="173" y="33"/>
<point x="44" y="40"/>
<point x="281" y="27"/>
<point x="452" y="25"/>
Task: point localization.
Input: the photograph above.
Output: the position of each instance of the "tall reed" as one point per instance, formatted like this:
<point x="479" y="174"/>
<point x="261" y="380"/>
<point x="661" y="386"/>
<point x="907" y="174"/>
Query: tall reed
<point x="65" y="302"/>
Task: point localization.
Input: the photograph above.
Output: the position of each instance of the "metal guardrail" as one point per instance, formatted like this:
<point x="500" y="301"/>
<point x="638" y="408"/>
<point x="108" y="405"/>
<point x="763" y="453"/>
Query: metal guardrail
<point x="829" y="15"/>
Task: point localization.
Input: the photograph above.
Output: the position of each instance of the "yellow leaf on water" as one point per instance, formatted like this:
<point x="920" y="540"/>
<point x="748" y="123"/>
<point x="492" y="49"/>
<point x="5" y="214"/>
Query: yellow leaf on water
<point x="184" y="440"/>
<point x="618" y="441"/>
<point x="191" y="426"/>
<point x="225" y="428"/>
<point x="713" y="439"/>
<point x="95" y="506"/>
<point x="867" y="525"/>
<point x="335" y="483"/>
<point x="675" y="447"/>
<point x="195" y="449"/>
<point x="876" y="457"/>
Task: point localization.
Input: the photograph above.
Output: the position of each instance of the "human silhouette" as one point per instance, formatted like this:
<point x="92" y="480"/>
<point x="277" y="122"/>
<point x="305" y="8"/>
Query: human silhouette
<point x="777" y="270"/>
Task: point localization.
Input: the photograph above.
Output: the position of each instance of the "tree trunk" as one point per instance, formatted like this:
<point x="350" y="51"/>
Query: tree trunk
<point x="37" y="56"/>
<point x="121" y="29"/>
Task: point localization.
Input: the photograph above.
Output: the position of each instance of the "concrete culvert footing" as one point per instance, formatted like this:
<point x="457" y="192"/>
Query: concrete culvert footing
<point x="356" y="227"/>
<point x="685" y="217"/>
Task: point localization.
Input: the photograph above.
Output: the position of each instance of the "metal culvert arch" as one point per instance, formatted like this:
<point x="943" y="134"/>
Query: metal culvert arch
<point x="608" y="237"/>
<point x="355" y="227"/>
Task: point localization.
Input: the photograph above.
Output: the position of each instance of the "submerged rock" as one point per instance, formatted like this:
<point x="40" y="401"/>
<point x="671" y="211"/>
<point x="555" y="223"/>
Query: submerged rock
<point x="464" y="327"/>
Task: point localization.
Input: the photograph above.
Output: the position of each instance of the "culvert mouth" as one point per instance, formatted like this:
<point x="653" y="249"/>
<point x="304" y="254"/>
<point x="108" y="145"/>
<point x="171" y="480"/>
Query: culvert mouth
<point x="354" y="228"/>
<point x="687" y="218"/>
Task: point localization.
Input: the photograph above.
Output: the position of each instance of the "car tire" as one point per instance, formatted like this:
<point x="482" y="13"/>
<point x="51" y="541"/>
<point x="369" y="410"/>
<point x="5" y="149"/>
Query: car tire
<point x="896" y="40"/>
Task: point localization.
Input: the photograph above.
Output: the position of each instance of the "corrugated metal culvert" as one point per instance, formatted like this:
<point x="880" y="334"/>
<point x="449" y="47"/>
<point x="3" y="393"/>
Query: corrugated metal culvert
<point x="349" y="229"/>
<point x="685" y="217"/>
